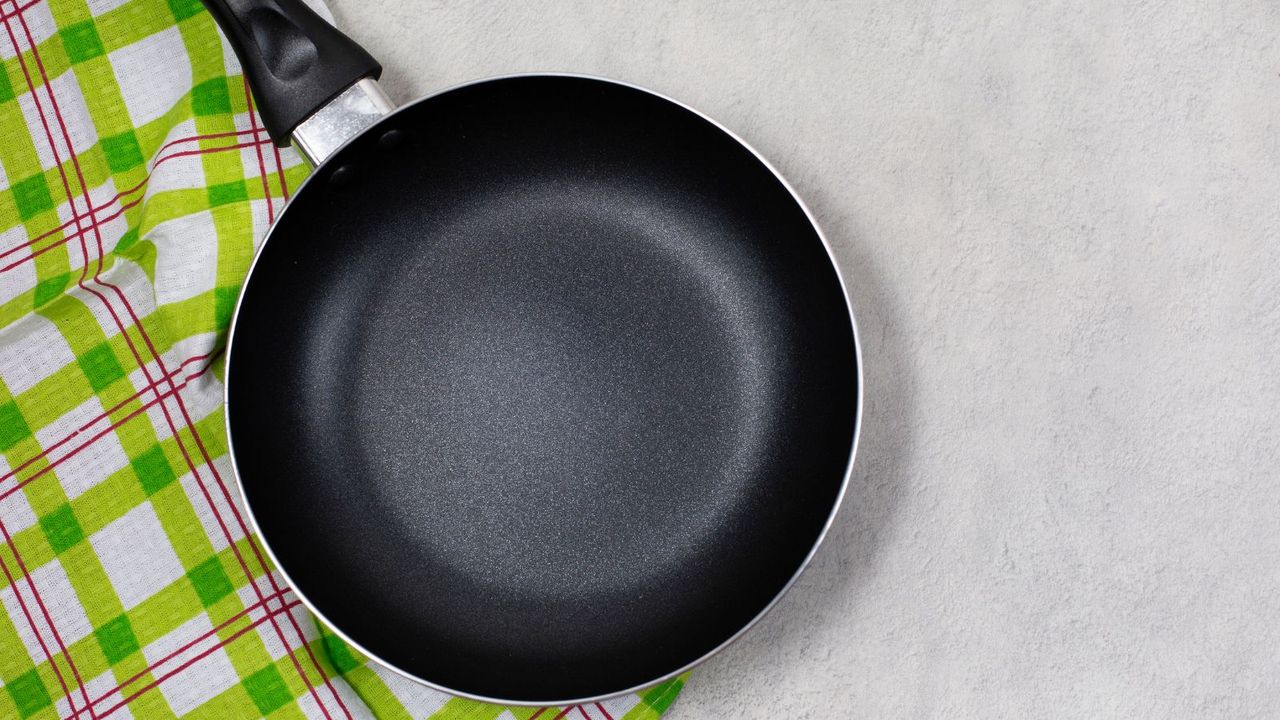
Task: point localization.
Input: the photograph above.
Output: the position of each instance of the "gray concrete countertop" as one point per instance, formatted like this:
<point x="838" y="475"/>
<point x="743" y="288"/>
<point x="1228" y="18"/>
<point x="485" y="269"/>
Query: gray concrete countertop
<point x="1060" y="223"/>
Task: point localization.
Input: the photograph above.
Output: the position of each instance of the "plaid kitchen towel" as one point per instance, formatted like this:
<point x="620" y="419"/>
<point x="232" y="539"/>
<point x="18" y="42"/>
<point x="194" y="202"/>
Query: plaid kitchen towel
<point x="135" y="184"/>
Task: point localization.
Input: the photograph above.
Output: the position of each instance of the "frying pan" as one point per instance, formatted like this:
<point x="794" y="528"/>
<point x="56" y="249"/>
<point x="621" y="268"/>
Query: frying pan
<point x="542" y="388"/>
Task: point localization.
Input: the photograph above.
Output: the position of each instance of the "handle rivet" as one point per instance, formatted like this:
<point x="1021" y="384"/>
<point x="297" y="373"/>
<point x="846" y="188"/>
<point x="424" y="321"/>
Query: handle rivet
<point x="390" y="139"/>
<point x="341" y="176"/>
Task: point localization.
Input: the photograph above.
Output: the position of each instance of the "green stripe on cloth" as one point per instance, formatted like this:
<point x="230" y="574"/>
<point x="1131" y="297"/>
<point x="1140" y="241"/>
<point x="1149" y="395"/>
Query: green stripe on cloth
<point x="135" y="186"/>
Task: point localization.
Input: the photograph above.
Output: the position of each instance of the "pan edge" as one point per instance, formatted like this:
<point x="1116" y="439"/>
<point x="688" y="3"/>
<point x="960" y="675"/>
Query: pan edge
<point x="808" y="559"/>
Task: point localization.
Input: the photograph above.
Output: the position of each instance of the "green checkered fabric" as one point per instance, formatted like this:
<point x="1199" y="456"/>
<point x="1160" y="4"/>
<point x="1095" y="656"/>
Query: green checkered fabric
<point x="135" y="184"/>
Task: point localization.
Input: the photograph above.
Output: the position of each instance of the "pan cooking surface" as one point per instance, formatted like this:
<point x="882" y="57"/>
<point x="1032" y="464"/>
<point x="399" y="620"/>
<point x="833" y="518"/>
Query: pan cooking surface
<point x="548" y="398"/>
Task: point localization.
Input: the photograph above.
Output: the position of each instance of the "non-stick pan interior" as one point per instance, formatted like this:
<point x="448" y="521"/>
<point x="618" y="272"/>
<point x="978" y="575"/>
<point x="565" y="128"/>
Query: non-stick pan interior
<point x="542" y="389"/>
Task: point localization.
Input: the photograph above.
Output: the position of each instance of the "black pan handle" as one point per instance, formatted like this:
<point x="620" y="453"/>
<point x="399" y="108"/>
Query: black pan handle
<point x="295" y="61"/>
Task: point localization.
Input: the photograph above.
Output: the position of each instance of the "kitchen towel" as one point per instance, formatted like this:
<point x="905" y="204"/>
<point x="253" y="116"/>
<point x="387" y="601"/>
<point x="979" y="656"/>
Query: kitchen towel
<point x="136" y="182"/>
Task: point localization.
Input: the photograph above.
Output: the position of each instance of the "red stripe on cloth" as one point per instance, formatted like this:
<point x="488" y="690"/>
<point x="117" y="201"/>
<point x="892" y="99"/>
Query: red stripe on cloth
<point x="583" y="711"/>
<point x="37" y="474"/>
<point x="604" y="712"/>
<point x="190" y="644"/>
<point x="28" y="4"/>
<point x="77" y="218"/>
<point x="564" y="712"/>
<point x="31" y="620"/>
<point x="78" y="233"/>
<point x="44" y="453"/>
<point x="253" y="125"/>
<point x="137" y="325"/>
<point x="19" y="8"/>
<point x="210" y="633"/>
<point x="181" y="366"/>
<point x="154" y="683"/>
<point x="207" y="136"/>
<point x="204" y="151"/>
<point x="284" y="185"/>
<point x="535" y="715"/>
<point x="53" y="149"/>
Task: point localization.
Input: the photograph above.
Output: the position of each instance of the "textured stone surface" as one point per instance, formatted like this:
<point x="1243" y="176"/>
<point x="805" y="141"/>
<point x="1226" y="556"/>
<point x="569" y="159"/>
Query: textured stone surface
<point x="1060" y="223"/>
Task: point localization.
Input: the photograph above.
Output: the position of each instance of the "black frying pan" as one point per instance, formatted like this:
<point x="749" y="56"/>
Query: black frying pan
<point x="542" y="388"/>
